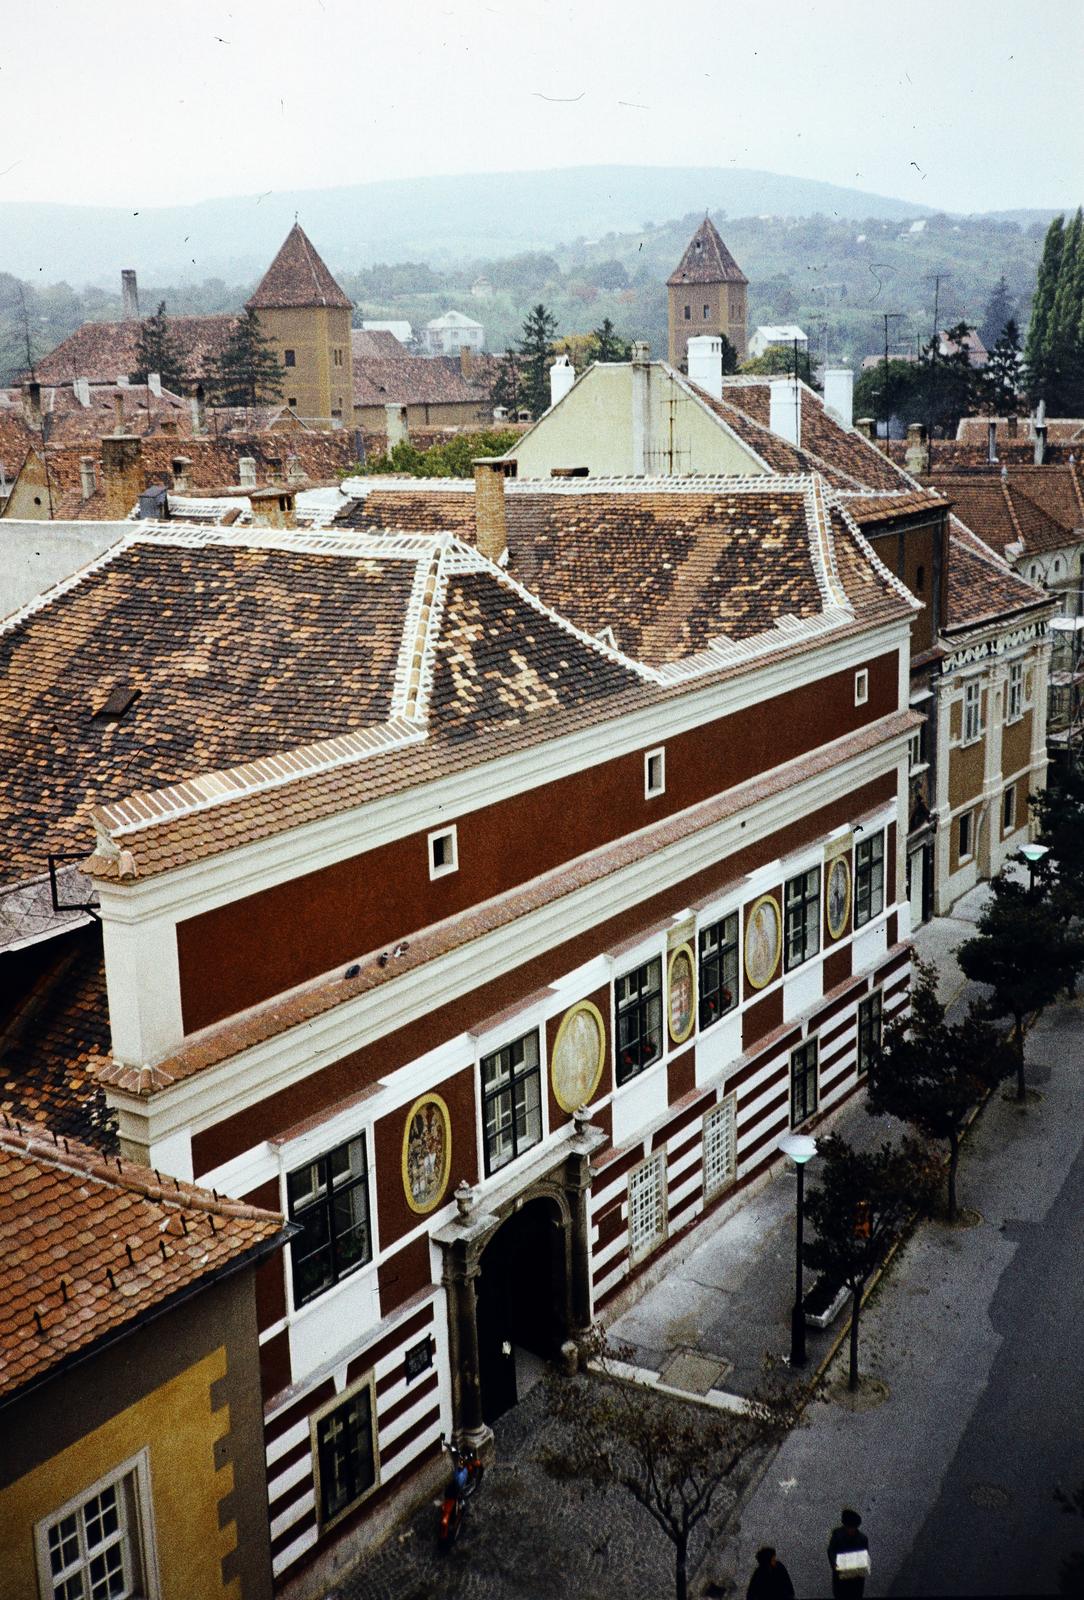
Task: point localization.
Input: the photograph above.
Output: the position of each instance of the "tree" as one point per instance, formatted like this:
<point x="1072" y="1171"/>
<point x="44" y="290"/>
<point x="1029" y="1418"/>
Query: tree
<point x="673" y="1457"/>
<point x="1000" y="309"/>
<point x="946" y="385"/>
<point x="1026" y="955"/>
<point x="248" y="372"/>
<point x="730" y="356"/>
<point x="536" y="352"/>
<point x="158" y="349"/>
<point x="931" y="1073"/>
<point x="1059" y="809"/>
<point x="607" y="345"/>
<point x="1001" y="378"/>
<point x="1054" y="352"/>
<point x="887" y="390"/>
<point x="609" y="275"/>
<point x="507" y="390"/>
<point x="778" y="361"/>
<point x="454" y="459"/>
<point x="860" y="1208"/>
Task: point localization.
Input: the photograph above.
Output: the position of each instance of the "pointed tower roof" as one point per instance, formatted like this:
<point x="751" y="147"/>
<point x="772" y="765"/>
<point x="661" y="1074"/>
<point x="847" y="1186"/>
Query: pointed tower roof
<point x="707" y="260"/>
<point x="297" y="278"/>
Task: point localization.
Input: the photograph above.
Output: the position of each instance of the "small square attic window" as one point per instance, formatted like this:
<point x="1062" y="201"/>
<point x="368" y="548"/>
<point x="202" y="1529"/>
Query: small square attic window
<point x="120" y="700"/>
<point x="654" y="772"/>
<point x="443" y="853"/>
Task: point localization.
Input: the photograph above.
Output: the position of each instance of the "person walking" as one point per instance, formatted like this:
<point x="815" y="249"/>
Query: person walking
<point x="770" y="1580"/>
<point x="848" y="1540"/>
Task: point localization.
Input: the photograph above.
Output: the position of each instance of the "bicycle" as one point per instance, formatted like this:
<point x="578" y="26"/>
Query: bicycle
<point x="466" y="1480"/>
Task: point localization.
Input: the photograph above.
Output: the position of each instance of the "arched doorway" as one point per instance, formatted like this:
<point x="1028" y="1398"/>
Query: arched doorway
<point x="522" y="1300"/>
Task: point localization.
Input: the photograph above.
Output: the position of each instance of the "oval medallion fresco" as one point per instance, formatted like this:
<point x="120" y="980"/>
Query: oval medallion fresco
<point x="681" y="990"/>
<point x="579" y="1054"/>
<point x="427" y="1152"/>
<point x="763" y="940"/>
<point x="838" y="895"/>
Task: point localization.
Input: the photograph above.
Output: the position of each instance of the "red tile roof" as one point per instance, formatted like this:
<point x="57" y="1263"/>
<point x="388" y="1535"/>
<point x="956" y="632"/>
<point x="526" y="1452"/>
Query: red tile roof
<point x="1030" y="508"/>
<point x="104" y="351"/>
<point x="297" y="278"/>
<point x="707" y="259"/>
<point x="422" y="381"/>
<point x="982" y="587"/>
<point x="91" y="1245"/>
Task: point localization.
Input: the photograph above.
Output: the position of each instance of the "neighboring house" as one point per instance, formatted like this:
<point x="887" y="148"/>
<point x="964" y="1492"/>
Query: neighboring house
<point x="977" y="353"/>
<point x="129" y="1380"/>
<point x="401" y="331"/>
<point x="1022" y="429"/>
<point x="778" y="336"/>
<point x="395" y="394"/>
<point x="706" y="293"/>
<point x="450" y="333"/>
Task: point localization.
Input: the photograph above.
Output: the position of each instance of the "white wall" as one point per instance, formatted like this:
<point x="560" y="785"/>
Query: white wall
<point x="35" y="555"/>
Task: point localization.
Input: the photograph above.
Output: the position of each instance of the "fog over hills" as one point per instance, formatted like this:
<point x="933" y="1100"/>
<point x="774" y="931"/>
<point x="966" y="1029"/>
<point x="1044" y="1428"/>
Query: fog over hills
<point x="439" y="220"/>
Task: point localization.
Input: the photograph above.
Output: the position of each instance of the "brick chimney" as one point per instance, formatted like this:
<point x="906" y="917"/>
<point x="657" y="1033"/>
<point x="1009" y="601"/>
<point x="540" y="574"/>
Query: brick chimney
<point x="32" y="403"/>
<point x="129" y="294"/>
<point x="88" y="477"/>
<point x="917" y="456"/>
<point x="122" y="474"/>
<point x="490" y="518"/>
<point x="867" y="427"/>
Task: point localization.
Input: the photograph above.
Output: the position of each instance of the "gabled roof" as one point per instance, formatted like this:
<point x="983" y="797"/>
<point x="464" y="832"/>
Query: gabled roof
<point x="93" y="1245"/>
<point x="408" y="380"/>
<point x="297" y="278"/>
<point x="104" y="351"/>
<point x="981" y="586"/>
<point x="706" y="260"/>
<point x="1018" y="509"/>
<point x="376" y="344"/>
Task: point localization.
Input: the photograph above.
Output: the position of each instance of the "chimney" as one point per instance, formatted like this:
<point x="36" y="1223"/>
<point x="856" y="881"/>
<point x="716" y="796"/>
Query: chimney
<point x="274" y="469"/>
<point x="32" y="403"/>
<point x="1039" y="455"/>
<point x="246" y="472"/>
<point x="785" y="414"/>
<point x="490" y="520"/>
<point x="705" y="364"/>
<point x="991" y="441"/>
<point x="466" y="362"/>
<point x="917" y="456"/>
<point x="154" y="384"/>
<point x="562" y="377"/>
<point x="88" y="478"/>
<point x="81" y="390"/>
<point x="199" y="413"/>
<point x="867" y="427"/>
<point x="640" y="353"/>
<point x="839" y="394"/>
<point x="129" y="294"/>
<point x="295" y="472"/>
<point x="122" y="474"/>
<point x="118" y="413"/>
<point x="179" y="467"/>
<point x="396" y="425"/>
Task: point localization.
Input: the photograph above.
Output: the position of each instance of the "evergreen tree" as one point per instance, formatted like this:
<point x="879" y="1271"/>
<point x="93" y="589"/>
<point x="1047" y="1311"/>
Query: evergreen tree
<point x="1002" y="375"/>
<point x="1000" y="309"/>
<point x="607" y="345"/>
<point x="507" y="390"/>
<point x="730" y="356"/>
<point x="947" y="386"/>
<point x="248" y="372"/>
<point x="158" y="349"/>
<point x="1042" y="355"/>
<point x="1060" y="812"/>
<point x="536" y="353"/>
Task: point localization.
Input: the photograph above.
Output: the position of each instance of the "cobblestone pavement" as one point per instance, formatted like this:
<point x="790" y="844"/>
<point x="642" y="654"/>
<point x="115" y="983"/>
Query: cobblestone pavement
<point x="526" y="1538"/>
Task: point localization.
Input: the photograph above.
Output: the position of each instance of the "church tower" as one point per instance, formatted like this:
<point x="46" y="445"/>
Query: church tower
<point x="707" y="293"/>
<point x="307" y="316"/>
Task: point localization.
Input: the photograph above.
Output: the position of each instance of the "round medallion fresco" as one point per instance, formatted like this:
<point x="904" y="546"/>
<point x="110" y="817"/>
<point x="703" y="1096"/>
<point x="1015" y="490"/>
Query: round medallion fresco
<point x="837" y="893"/>
<point x="763" y="940"/>
<point x="578" y="1056"/>
<point x="427" y="1152"/>
<point x="681" y="986"/>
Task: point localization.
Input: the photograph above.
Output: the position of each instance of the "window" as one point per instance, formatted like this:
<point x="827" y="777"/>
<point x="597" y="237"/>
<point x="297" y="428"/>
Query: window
<point x="869" y="878"/>
<point x="511" y="1101"/>
<point x="289" y="358"/>
<point x="916" y="749"/>
<point x="654" y="773"/>
<point x="344" y="1445"/>
<point x="965" y="836"/>
<point x="920" y="579"/>
<point x="972" y="709"/>
<point x="688" y="313"/>
<point x="1008" y="810"/>
<point x="647" y="1206"/>
<point x="869" y="1030"/>
<point x="443" y="852"/>
<point x="330" y="1199"/>
<point x="803" y="1082"/>
<point x="718" y="969"/>
<point x="1014" y="706"/>
<point x="861" y="687"/>
<point x="639" y="1019"/>
<point x="98" y="1545"/>
<point x="720" y="1146"/>
<point x="292" y="401"/>
<point x="803" y="908"/>
<point x="336" y="358"/>
<point x="707" y="313"/>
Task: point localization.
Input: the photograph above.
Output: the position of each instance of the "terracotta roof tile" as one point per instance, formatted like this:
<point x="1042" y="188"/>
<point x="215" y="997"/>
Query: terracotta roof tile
<point x="981" y="586"/>
<point x="1032" y="508"/>
<point x="825" y="442"/>
<point x="707" y="259"/>
<point x="104" y="351"/>
<point x="422" y="380"/>
<point x="297" y="278"/>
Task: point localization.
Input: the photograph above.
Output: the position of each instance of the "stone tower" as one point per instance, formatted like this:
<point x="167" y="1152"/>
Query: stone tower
<point x="707" y="293"/>
<point x="307" y="316"/>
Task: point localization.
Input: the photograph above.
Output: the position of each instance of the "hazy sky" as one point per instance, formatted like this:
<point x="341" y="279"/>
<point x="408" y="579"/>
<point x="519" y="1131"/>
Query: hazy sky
<point x="968" y="105"/>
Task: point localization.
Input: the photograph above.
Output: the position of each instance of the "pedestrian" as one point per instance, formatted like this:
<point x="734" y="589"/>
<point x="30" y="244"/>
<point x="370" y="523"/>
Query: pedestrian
<point x="770" y="1580"/>
<point x="848" y="1540"/>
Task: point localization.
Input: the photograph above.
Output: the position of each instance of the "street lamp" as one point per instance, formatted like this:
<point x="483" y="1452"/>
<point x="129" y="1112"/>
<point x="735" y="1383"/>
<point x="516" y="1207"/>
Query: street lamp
<point x="1033" y="854"/>
<point x="800" y="1148"/>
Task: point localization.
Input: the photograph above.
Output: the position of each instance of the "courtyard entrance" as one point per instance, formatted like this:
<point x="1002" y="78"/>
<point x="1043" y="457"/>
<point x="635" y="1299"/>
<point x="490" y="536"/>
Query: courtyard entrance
<point x="522" y="1300"/>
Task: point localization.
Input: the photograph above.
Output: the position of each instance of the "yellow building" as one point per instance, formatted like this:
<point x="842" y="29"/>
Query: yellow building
<point x="306" y="316"/>
<point x="130" y="1405"/>
<point x="707" y="294"/>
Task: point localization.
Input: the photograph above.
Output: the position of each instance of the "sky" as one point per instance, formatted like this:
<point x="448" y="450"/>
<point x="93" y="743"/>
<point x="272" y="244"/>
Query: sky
<point x="968" y="106"/>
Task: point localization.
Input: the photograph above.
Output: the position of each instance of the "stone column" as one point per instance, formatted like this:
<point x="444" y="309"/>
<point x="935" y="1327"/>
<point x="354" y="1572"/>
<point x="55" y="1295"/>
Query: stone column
<point x="577" y="1187"/>
<point x="463" y="1242"/>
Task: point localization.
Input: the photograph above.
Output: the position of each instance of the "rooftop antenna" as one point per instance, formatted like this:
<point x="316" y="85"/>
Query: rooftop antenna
<point x="888" y="316"/>
<point x="935" y="351"/>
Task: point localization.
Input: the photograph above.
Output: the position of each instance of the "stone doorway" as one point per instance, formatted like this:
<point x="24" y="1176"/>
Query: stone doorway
<point x="522" y="1300"/>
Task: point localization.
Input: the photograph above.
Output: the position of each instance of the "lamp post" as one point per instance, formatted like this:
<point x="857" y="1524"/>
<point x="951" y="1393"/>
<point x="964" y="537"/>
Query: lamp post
<point x="1033" y="854"/>
<point x="800" y="1148"/>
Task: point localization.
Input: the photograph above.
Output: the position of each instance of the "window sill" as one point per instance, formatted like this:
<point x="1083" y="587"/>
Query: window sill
<point x="917" y="770"/>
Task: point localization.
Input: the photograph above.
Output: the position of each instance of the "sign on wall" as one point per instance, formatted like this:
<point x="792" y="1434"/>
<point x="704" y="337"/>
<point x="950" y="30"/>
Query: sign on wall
<point x="427" y="1152"/>
<point x="578" y="1056"/>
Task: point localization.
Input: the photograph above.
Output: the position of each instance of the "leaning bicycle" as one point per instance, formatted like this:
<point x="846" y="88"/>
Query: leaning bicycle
<point x="465" y="1481"/>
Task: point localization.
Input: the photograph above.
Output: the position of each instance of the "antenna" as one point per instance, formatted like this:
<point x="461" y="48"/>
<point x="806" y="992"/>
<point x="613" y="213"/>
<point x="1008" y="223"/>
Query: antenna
<point x="887" y="317"/>
<point x="41" y="413"/>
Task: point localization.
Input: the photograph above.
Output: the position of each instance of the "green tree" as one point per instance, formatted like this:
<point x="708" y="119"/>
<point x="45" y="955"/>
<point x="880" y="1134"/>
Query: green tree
<point x="248" y="372"/>
<point x="778" y="361"/>
<point x="888" y="389"/>
<point x="454" y="459"/>
<point x="158" y="349"/>
<point x="607" y="345"/>
<point x="507" y="389"/>
<point x="536" y="353"/>
<point x="1000" y="309"/>
<point x="946" y="385"/>
<point x="1024" y="953"/>
<point x="1001" y="378"/>
<point x="932" y="1073"/>
<point x="1059" y="809"/>
<point x="861" y="1206"/>
<point x="1054" y="352"/>
<point x="673" y="1457"/>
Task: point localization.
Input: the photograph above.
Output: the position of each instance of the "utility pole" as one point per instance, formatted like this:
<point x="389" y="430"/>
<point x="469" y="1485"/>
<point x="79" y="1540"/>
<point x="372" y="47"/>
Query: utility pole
<point x="935" y="356"/>
<point x="887" y="317"/>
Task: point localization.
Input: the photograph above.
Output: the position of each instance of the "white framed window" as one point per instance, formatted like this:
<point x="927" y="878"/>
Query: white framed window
<point x="100" y="1546"/>
<point x="443" y="852"/>
<point x="654" y="773"/>
<point x="861" y="687"/>
<point x="965" y="836"/>
<point x="972" y="711"/>
<point x="720" y="1146"/>
<point x="804" y="1084"/>
<point x="344" y="1448"/>
<point x="1008" y="809"/>
<point x="1014" y="704"/>
<point x="916" y="750"/>
<point x="647" y="1206"/>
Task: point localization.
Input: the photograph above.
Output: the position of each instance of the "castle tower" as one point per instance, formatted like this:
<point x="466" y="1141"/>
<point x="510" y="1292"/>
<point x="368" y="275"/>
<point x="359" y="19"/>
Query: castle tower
<point x="303" y="310"/>
<point x="707" y="293"/>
